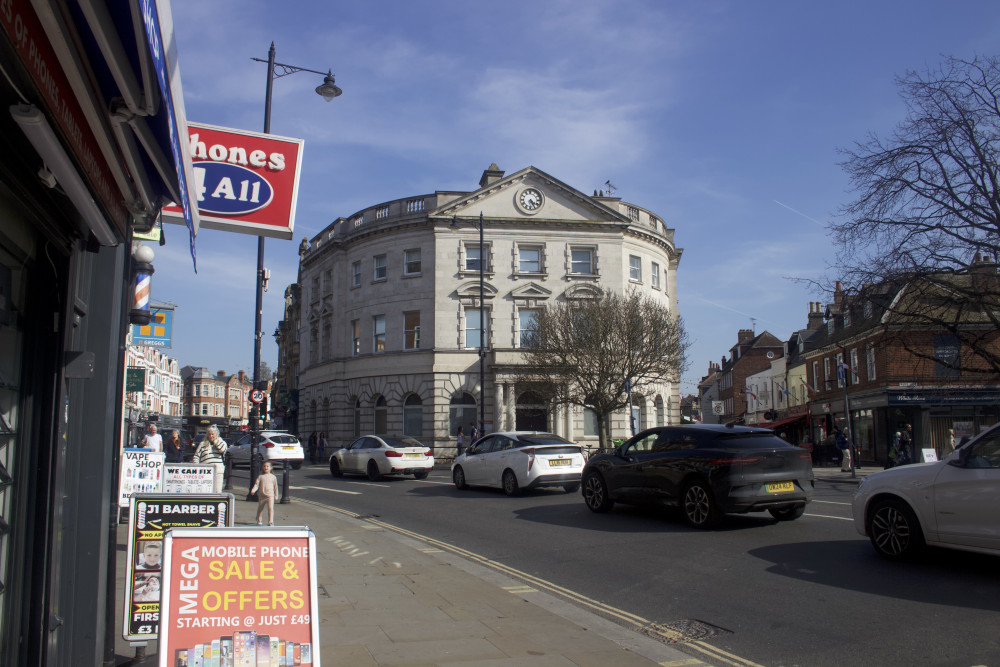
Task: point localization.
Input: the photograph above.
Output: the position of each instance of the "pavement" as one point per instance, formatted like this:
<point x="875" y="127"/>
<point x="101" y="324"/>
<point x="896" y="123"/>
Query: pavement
<point x="391" y="598"/>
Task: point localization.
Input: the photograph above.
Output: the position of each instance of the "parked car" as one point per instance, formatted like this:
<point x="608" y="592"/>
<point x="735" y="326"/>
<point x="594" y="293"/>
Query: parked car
<point x="705" y="470"/>
<point x="273" y="446"/>
<point x="380" y="455"/>
<point x="518" y="460"/>
<point x="951" y="503"/>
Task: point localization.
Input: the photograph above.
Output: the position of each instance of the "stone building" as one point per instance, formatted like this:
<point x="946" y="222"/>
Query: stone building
<point x="389" y="333"/>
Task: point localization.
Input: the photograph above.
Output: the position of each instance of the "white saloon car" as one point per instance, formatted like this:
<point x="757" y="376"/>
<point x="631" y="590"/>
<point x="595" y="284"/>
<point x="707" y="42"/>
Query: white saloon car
<point x="517" y="460"/>
<point x="953" y="503"/>
<point x="273" y="446"/>
<point x="380" y="455"/>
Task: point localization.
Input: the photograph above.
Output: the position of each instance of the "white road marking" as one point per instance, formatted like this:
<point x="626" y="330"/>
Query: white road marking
<point x="323" y="488"/>
<point x="830" y="502"/>
<point x="825" y="516"/>
<point x="369" y="484"/>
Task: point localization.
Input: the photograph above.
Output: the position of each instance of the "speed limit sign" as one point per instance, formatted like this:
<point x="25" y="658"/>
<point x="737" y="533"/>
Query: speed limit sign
<point x="257" y="396"/>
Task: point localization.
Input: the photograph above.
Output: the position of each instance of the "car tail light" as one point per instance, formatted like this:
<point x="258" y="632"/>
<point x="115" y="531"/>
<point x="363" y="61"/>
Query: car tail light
<point x="428" y="452"/>
<point x="393" y="454"/>
<point x="737" y="461"/>
<point x="267" y="443"/>
<point x="806" y="456"/>
<point x="531" y="457"/>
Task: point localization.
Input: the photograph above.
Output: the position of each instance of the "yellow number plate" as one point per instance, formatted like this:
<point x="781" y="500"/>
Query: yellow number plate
<point x="559" y="462"/>
<point x="779" y="487"/>
<point x="413" y="456"/>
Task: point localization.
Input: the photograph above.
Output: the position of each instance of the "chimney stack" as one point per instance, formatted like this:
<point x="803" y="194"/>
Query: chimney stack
<point x="491" y="175"/>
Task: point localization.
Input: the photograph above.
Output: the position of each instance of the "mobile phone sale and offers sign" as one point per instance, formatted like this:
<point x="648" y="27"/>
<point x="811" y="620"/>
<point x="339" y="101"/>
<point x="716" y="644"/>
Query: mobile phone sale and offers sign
<point x="239" y="596"/>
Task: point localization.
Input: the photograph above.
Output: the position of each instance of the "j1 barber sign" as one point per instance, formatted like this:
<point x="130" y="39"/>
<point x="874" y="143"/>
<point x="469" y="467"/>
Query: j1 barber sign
<point x="246" y="182"/>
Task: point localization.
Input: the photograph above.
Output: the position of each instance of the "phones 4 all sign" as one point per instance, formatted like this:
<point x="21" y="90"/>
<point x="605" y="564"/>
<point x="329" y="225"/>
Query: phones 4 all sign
<point x="239" y="596"/>
<point x="150" y="514"/>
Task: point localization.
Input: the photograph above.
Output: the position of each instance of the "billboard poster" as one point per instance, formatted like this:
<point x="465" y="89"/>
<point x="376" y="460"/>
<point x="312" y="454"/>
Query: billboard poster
<point x="241" y="597"/>
<point x="189" y="478"/>
<point x="141" y="472"/>
<point x="247" y="182"/>
<point x="149" y="516"/>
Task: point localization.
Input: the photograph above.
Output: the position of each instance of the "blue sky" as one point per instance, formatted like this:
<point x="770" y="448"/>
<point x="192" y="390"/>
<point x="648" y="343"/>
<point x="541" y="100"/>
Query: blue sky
<point x="723" y="118"/>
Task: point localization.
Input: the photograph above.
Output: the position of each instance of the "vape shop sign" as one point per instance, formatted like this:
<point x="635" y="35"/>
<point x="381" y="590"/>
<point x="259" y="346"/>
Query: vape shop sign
<point x="239" y="597"/>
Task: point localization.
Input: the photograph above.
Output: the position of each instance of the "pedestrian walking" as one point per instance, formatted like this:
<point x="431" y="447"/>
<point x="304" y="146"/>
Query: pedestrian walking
<point x="473" y="432"/>
<point x="174" y="448"/>
<point x="460" y="442"/>
<point x="152" y="439"/>
<point x="212" y="450"/>
<point x="844" y="445"/>
<point x="312" y="444"/>
<point x="321" y="444"/>
<point x="266" y="488"/>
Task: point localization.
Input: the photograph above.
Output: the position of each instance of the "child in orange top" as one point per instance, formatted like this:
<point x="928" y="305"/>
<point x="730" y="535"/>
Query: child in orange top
<point x="268" y="486"/>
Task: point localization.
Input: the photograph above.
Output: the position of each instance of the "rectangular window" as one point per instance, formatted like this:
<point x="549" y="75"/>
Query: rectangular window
<point x="826" y="374"/>
<point x="411" y="330"/>
<point x="379" y="272"/>
<point x="356" y="274"/>
<point x="528" y="328"/>
<point x="635" y="269"/>
<point x="411" y="262"/>
<point x="855" y="376"/>
<point x="841" y="373"/>
<point x="870" y="361"/>
<point x="582" y="261"/>
<point x="197" y="389"/>
<point x="589" y="422"/>
<point x="473" y="333"/>
<point x="654" y="275"/>
<point x="474" y="258"/>
<point x="355" y="337"/>
<point x="529" y="259"/>
<point x="378" y="333"/>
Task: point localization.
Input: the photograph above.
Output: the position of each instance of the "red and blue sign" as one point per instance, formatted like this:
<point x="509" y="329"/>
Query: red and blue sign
<point x="246" y="182"/>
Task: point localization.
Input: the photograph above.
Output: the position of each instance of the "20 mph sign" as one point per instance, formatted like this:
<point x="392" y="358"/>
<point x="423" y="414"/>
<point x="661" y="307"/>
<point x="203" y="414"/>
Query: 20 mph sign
<point x="257" y="396"/>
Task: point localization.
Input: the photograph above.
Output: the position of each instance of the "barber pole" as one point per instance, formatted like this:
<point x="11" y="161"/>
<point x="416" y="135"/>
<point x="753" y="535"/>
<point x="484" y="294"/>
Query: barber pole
<point x="142" y="282"/>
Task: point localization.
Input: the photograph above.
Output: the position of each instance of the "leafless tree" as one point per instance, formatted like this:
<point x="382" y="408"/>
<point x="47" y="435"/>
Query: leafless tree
<point x="586" y="352"/>
<point x="926" y="218"/>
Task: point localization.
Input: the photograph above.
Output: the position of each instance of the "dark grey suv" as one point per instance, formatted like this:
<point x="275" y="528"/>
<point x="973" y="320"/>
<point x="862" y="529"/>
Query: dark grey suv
<point x="705" y="470"/>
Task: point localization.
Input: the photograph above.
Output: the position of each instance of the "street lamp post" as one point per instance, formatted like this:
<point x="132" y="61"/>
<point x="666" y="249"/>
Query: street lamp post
<point x="482" y="321"/>
<point x="327" y="90"/>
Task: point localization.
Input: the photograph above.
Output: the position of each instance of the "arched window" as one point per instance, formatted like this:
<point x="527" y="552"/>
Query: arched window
<point x="381" y="415"/>
<point x="413" y="416"/>
<point x="356" y="431"/>
<point x="530" y="413"/>
<point x="461" y="412"/>
<point x="660" y="416"/>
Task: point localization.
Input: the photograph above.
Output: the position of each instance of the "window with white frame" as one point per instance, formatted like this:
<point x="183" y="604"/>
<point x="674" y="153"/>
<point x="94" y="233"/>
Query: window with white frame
<point x="527" y="324"/>
<point x="854" y="366"/>
<point x="870" y="361"/>
<point x="473" y="332"/>
<point x="355" y="337"/>
<point x="476" y="257"/>
<point x="411" y="330"/>
<point x="840" y="371"/>
<point x="635" y="269"/>
<point x="380" y="268"/>
<point x="582" y="261"/>
<point x="529" y="259"/>
<point x="411" y="262"/>
<point x="654" y="275"/>
<point x="378" y="333"/>
<point x="356" y="274"/>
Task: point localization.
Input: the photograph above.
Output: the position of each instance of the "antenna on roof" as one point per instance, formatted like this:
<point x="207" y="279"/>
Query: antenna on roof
<point x="753" y="325"/>
<point x="610" y="187"/>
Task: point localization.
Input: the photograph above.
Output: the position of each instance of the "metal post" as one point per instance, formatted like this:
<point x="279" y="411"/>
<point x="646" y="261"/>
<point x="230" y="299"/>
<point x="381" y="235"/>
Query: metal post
<point x="482" y="331"/>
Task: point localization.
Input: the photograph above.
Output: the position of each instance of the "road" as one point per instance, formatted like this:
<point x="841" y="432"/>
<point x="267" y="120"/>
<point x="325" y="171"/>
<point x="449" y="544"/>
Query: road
<point x="755" y="591"/>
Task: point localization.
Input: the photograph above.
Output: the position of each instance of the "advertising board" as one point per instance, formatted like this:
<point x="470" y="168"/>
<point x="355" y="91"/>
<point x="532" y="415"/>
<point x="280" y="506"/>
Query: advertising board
<point x="188" y="478"/>
<point x="239" y="596"/>
<point x="150" y="515"/>
<point x="141" y="472"/>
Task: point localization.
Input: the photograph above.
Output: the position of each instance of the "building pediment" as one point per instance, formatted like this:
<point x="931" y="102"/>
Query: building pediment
<point x="471" y="290"/>
<point x="531" y="291"/>
<point x="583" y="291"/>
<point x="528" y="195"/>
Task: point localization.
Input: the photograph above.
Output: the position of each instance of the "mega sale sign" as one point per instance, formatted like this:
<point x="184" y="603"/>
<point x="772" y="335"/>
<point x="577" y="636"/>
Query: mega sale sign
<point x="246" y="182"/>
<point x="239" y="597"/>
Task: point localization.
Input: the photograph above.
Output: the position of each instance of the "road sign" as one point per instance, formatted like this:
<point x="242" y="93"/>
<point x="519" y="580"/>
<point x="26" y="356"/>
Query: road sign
<point x="257" y="396"/>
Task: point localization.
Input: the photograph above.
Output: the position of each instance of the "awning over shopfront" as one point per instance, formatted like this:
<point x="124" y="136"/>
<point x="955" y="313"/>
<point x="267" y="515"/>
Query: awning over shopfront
<point x="783" y="422"/>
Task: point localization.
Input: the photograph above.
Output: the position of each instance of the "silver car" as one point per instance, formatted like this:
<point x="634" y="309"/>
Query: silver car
<point x="951" y="503"/>
<point x="518" y="460"/>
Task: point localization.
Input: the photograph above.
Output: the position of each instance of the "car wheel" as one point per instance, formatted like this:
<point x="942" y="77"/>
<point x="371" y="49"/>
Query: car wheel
<point x="373" y="473"/>
<point x="510" y="486"/>
<point x="571" y="488"/>
<point x="458" y="476"/>
<point x="420" y="475"/>
<point x="698" y="505"/>
<point x="894" y="530"/>
<point x="787" y="513"/>
<point x="595" y="493"/>
<point x="335" y="468"/>
<point x="296" y="465"/>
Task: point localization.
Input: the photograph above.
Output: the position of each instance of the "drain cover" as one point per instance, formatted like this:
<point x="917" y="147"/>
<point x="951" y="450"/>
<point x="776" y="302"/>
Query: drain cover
<point x="680" y="632"/>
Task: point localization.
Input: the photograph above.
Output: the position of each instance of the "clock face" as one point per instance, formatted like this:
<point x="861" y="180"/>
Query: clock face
<point x="530" y="199"/>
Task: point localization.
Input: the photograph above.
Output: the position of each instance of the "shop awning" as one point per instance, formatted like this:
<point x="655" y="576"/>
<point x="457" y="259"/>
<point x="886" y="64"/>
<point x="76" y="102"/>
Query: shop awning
<point x="783" y="422"/>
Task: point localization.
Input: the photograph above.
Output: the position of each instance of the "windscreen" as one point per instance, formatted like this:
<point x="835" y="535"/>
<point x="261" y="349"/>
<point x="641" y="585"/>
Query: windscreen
<point x="402" y="442"/>
<point x="541" y="439"/>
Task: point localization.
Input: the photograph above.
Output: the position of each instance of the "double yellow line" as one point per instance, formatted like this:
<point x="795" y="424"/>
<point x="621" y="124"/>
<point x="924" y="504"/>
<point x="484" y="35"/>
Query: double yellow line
<point x="638" y="623"/>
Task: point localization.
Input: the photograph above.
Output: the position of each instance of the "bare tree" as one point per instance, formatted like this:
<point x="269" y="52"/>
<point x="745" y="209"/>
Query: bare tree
<point x="585" y="352"/>
<point x="926" y="219"/>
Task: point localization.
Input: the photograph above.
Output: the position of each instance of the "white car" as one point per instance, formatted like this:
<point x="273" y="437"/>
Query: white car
<point x="518" y="460"/>
<point x="953" y="503"/>
<point x="380" y="455"/>
<point x="273" y="446"/>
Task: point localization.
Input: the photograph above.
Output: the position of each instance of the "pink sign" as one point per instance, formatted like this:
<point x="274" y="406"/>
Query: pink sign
<point x="246" y="182"/>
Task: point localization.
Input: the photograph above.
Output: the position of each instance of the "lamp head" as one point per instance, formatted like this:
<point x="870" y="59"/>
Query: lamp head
<point x="329" y="89"/>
